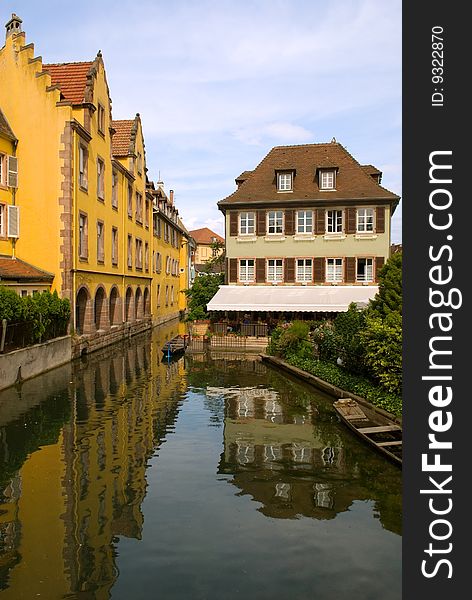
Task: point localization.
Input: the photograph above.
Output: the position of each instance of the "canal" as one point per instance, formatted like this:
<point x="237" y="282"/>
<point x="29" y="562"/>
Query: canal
<point x="209" y="478"/>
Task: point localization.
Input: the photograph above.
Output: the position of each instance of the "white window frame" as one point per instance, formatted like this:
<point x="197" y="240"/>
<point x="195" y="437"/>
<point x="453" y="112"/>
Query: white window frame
<point x="12" y="171"/>
<point x="275" y="270"/>
<point x="101" y="118"/>
<point x="285" y="181"/>
<point x="83" y="166"/>
<point x="303" y="270"/>
<point x="13" y="219"/>
<point x="114" y="188"/>
<point x="3" y="161"/>
<point x="245" y="227"/>
<point x="337" y="221"/>
<point x="368" y="277"/>
<point x="3" y="214"/>
<point x="83" y="235"/>
<point x="100" y="241"/>
<point x="365" y="222"/>
<point x="247" y="272"/>
<point x="327" y="179"/>
<point x="334" y="270"/>
<point x="277" y="221"/>
<point x="129" y="252"/>
<point x="114" y="246"/>
<point x="304" y="228"/>
<point x="100" y="178"/>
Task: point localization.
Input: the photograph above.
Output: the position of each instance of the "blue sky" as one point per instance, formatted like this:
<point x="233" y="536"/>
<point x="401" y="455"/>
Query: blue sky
<point x="219" y="83"/>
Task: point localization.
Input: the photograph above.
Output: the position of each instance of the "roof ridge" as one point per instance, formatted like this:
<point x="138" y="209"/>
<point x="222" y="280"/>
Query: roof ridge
<point x="79" y="62"/>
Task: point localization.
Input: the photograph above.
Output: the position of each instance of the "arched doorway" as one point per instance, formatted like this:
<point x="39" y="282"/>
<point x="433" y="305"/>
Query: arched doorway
<point x="100" y="309"/>
<point x="139" y="304"/>
<point x="129" y="304"/>
<point x="114" y="306"/>
<point x="82" y="307"/>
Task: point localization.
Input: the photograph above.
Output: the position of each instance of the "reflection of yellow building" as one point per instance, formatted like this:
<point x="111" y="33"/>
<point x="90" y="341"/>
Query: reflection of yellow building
<point x="86" y="213"/>
<point x="80" y="494"/>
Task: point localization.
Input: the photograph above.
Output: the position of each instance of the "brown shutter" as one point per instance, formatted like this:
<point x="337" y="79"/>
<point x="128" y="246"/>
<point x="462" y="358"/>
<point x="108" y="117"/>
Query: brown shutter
<point x="320" y="221"/>
<point x="233" y="223"/>
<point x="289" y="222"/>
<point x="351" y="220"/>
<point x="233" y="270"/>
<point x="379" y="263"/>
<point x="380" y="219"/>
<point x="319" y="269"/>
<point x="350" y="269"/>
<point x="289" y="270"/>
<point x="260" y="270"/>
<point x="261" y="222"/>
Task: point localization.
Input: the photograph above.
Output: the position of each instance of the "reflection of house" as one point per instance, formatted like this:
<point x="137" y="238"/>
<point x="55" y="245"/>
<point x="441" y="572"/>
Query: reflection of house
<point x="310" y="226"/>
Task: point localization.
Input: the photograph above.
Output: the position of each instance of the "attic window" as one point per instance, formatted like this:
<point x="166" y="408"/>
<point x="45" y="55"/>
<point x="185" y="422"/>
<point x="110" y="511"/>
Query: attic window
<point x="327" y="179"/>
<point x="285" y="181"/>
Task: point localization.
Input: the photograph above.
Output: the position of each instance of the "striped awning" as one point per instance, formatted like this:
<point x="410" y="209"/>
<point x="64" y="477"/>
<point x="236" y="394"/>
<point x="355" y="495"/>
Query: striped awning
<point x="284" y="298"/>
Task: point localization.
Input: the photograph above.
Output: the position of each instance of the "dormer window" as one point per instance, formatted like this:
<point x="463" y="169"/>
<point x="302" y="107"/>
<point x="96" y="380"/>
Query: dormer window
<point x="327" y="179"/>
<point x="285" y="181"/>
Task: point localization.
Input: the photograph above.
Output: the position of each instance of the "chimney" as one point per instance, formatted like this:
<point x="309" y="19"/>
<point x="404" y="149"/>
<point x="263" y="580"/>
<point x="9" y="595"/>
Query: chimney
<point x="171" y="197"/>
<point x="13" y="26"/>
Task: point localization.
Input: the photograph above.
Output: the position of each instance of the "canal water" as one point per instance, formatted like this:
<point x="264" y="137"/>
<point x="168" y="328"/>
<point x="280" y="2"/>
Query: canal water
<point x="216" y="477"/>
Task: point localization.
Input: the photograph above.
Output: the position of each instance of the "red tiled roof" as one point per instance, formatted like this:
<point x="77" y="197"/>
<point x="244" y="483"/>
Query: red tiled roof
<point x="352" y="180"/>
<point x="71" y="77"/>
<point x="205" y="235"/>
<point x="121" y="141"/>
<point x="16" y="269"/>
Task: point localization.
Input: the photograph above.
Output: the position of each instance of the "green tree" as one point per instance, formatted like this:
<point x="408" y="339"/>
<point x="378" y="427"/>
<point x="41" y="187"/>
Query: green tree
<point x="202" y="291"/>
<point x="217" y="261"/>
<point x="389" y="297"/>
<point x="11" y="307"/>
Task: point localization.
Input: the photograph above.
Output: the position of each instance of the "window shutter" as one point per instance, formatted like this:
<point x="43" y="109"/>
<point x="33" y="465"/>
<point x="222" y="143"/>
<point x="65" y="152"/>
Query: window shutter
<point x="12" y="172"/>
<point x="233" y="223"/>
<point x="289" y="270"/>
<point x="260" y="270"/>
<point x="351" y="220"/>
<point x="379" y="263"/>
<point x="319" y="269"/>
<point x="380" y="219"/>
<point x="350" y="269"/>
<point x="289" y="222"/>
<point x="13" y="221"/>
<point x="320" y="221"/>
<point x="233" y="270"/>
<point x="261" y="222"/>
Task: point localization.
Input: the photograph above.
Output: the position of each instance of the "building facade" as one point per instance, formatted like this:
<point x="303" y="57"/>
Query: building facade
<point x="206" y="249"/>
<point x="89" y="215"/>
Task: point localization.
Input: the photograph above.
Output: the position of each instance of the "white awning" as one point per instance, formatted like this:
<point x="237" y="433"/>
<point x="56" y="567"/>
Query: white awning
<point x="290" y="298"/>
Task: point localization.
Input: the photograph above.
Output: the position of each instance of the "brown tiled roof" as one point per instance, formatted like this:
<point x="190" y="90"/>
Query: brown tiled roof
<point x="16" y="269"/>
<point x="352" y="181"/>
<point x="5" y="129"/>
<point x="244" y="175"/>
<point x="371" y="170"/>
<point x="122" y="144"/>
<point x="71" y="77"/>
<point x="205" y="235"/>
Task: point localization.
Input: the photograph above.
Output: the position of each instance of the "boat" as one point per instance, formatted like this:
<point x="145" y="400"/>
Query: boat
<point x="380" y="432"/>
<point x="175" y="346"/>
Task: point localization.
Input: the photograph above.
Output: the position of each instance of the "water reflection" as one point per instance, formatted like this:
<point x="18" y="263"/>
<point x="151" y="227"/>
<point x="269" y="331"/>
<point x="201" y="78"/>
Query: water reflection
<point x="78" y="444"/>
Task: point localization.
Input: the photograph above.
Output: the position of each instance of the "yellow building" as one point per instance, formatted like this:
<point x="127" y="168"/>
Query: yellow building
<point x="206" y="248"/>
<point x="87" y="208"/>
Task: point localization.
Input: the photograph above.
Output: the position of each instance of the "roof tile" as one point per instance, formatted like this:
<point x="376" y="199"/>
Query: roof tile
<point x="71" y="77"/>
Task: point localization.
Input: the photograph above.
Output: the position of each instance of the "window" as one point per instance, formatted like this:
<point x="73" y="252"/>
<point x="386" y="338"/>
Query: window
<point x="146" y="256"/>
<point x="168" y="265"/>
<point x="305" y="221"/>
<point x="2" y="169"/>
<point x="100" y="241"/>
<point x="139" y="207"/>
<point x="114" y="245"/>
<point x="167" y="295"/>
<point x="114" y="189"/>
<point x="158" y="262"/>
<point x="246" y="270"/>
<point x="365" y="220"/>
<point x="304" y="269"/>
<point x="139" y="163"/>
<point x="83" y="235"/>
<point x="146" y="214"/>
<point x="334" y="269"/>
<point x="275" y="270"/>
<point x="100" y="179"/>
<point x="139" y="254"/>
<point x="327" y="179"/>
<point x="83" y="167"/>
<point x="158" y="302"/>
<point x="130" y="251"/>
<point x="284" y="182"/>
<point x="172" y="295"/>
<point x="130" y="201"/>
<point x="334" y="221"/>
<point x="13" y="218"/>
<point x="101" y="118"/>
<point x="2" y="220"/>
<point x="365" y="269"/>
<point x="275" y="219"/>
<point x="247" y="223"/>
<point x="12" y="170"/>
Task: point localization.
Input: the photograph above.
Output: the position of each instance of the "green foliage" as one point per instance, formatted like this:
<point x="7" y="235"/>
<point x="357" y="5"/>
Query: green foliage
<point x="356" y="384"/>
<point x="389" y="297"/>
<point x="218" y="259"/>
<point x="382" y="340"/>
<point x="45" y="315"/>
<point x="202" y="291"/>
<point x="291" y="339"/>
